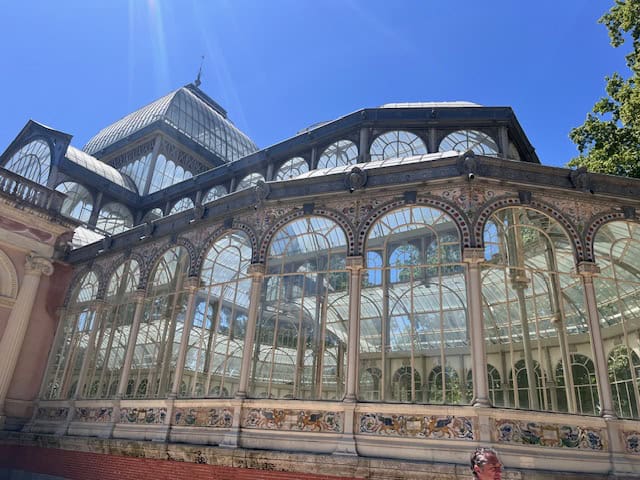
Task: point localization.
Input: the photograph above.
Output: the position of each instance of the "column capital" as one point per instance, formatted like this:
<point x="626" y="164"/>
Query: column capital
<point x="473" y="255"/>
<point x="139" y="295"/>
<point x="192" y="283"/>
<point x="355" y="263"/>
<point x="38" y="265"/>
<point x="588" y="269"/>
<point x="256" y="270"/>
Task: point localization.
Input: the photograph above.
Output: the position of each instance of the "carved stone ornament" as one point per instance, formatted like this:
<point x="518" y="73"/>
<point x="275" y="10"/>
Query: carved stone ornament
<point x="261" y="191"/>
<point x="38" y="265"/>
<point x="580" y="178"/>
<point x="355" y="179"/>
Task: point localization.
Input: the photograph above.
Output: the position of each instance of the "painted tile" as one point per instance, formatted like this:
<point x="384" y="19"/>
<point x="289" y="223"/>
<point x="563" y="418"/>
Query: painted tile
<point x="419" y="426"/>
<point x="293" y="420"/>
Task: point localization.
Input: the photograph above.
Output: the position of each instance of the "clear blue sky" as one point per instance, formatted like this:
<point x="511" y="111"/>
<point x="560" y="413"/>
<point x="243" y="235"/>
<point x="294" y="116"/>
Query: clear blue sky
<point x="278" y="66"/>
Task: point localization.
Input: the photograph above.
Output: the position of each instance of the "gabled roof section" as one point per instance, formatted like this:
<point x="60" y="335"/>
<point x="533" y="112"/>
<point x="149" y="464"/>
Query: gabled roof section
<point x="191" y="112"/>
<point x="100" y="168"/>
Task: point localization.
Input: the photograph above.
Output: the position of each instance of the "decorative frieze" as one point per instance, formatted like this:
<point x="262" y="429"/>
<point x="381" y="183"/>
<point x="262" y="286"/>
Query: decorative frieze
<point x="94" y="415"/>
<point x="418" y="426"/>
<point x="221" y="417"/>
<point x="149" y="416"/>
<point x="52" y="414"/>
<point x="548" y="435"/>
<point x="631" y="441"/>
<point x="293" y="420"/>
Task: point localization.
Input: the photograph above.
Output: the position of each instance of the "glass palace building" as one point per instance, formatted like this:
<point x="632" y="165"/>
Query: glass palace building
<point x="404" y="283"/>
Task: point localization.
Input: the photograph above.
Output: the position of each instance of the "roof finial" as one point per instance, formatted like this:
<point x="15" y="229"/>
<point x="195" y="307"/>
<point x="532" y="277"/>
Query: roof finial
<point x="198" y="82"/>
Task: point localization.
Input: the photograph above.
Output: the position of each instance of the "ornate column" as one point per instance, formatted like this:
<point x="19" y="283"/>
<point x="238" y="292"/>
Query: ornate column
<point x="131" y="344"/>
<point x="256" y="272"/>
<point x="588" y="270"/>
<point x="191" y="285"/>
<point x="473" y="257"/>
<point x="354" y="265"/>
<point x="13" y="336"/>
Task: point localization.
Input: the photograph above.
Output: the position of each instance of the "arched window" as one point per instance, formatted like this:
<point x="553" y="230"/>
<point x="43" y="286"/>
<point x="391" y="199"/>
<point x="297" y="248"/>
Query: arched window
<point x="216" y="339"/>
<point x="105" y="362"/>
<point x="396" y="144"/>
<point x="182" y="205"/>
<point x="520" y="390"/>
<point x="340" y="153"/>
<point x="533" y="301"/>
<point x="584" y="383"/>
<point x="464" y="140"/>
<point x="32" y="161"/>
<point x="151" y="215"/>
<point x="214" y="193"/>
<point x="406" y="384"/>
<point x="78" y="203"/>
<point x="617" y="253"/>
<point x="496" y="394"/>
<point x="438" y="377"/>
<point x="301" y="336"/>
<point x="623" y="366"/>
<point x="370" y="384"/>
<point x="413" y="308"/>
<point x="67" y="355"/>
<point x="114" y="218"/>
<point x="161" y="326"/>
<point x="292" y="168"/>
<point x="138" y="171"/>
<point x="167" y="173"/>
<point x="249" y="181"/>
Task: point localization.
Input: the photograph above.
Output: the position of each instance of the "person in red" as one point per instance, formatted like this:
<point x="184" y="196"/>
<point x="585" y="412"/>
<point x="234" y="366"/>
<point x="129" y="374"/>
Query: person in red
<point x="485" y="464"/>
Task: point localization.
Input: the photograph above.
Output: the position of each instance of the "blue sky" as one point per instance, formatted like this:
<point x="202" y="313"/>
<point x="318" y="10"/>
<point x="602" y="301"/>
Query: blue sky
<point x="279" y="66"/>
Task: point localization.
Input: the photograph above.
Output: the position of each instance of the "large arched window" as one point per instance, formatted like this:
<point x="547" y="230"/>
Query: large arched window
<point x="215" y="193"/>
<point x="68" y="354"/>
<point x="166" y="173"/>
<point x="338" y="154"/>
<point x="301" y="338"/>
<point x="617" y="253"/>
<point x="292" y="168"/>
<point x="216" y="339"/>
<point x="78" y="203"/>
<point x="32" y="161"/>
<point x="114" y="218"/>
<point x="396" y="144"/>
<point x="161" y="327"/>
<point x="413" y="310"/>
<point x="584" y="383"/>
<point x="249" y="181"/>
<point x="464" y="140"/>
<point x="623" y="366"/>
<point x="107" y="354"/>
<point x="534" y="311"/>
<point x="182" y="205"/>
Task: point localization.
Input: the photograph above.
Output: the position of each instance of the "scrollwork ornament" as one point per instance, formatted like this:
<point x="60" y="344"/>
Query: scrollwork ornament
<point x="36" y="264"/>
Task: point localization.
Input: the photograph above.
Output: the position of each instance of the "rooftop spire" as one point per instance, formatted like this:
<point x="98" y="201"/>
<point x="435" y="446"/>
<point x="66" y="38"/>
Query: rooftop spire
<point x="198" y="82"/>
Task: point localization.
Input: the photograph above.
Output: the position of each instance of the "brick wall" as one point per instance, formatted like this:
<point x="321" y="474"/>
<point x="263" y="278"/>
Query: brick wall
<point x="82" y="466"/>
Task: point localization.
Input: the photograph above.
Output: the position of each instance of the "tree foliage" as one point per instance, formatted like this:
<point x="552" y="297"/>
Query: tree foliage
<point x="609" y="139"/>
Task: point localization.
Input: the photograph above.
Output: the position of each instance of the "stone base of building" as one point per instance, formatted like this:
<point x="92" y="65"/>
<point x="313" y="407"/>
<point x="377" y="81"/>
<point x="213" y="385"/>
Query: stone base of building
<point x="29" y="456"/>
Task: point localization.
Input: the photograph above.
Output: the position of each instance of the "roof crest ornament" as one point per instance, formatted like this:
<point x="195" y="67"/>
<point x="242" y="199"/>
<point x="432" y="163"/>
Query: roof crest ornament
<point x="197" y="81"/>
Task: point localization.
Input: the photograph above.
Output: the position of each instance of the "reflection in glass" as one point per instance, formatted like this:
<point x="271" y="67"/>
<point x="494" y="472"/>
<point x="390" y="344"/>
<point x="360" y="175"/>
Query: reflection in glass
<point x="216" y="339"/>
<point x="110" y="344"/>
<point x="161" y="327"/>
<point x="617" y="254"/>
<point x="534" y="312"/>
<point x="413" y="310"/>
<point x="301" y="338"/>
<point x="67" y="355"/>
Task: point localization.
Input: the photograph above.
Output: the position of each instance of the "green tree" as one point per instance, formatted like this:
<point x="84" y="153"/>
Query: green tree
<point x="609" y="139"/>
